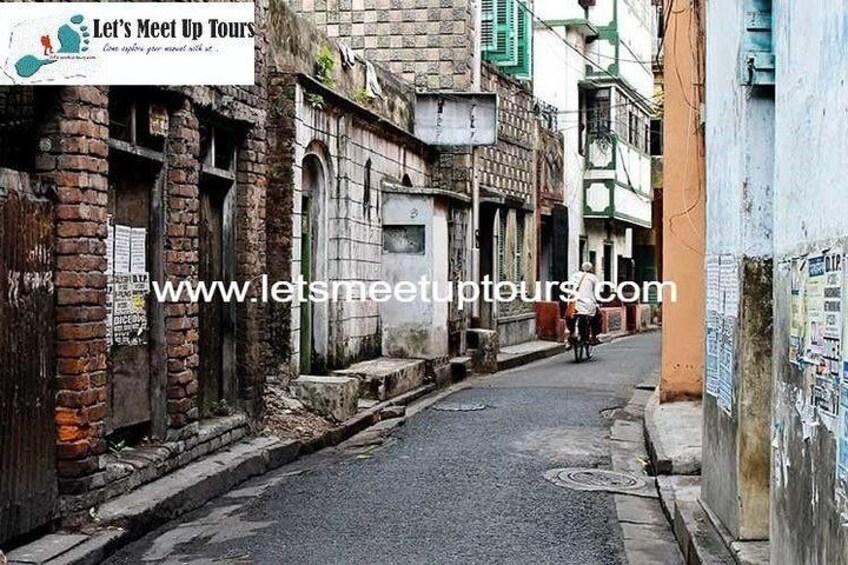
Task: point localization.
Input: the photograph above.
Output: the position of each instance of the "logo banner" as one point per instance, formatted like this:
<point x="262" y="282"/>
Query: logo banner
<point x="123" y="43"/>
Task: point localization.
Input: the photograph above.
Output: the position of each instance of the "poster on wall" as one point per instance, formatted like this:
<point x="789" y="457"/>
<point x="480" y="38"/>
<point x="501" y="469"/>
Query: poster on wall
<point x="829" y="368"/>
<point x="127" y="286"/>
<point x="726" y="366"/>
<point x="713" y="298"/>
<point x="797" y="314"/>
<point x="713" y="344"/>
<point x="814" y="308"/>
<point x="129" y="310"/>
<point x="729" y="285"/>
<point x="842" y="434"/>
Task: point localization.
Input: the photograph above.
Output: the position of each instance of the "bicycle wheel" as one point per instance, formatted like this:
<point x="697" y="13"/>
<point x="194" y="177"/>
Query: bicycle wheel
<point x="578" y="352"/>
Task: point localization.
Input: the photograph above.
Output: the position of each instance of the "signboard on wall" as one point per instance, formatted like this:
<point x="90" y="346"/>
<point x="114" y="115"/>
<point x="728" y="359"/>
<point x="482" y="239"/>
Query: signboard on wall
<point x="458" y="119"/>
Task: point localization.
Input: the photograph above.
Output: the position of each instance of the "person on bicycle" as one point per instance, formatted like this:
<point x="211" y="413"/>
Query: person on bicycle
<point x="586" y="303"/>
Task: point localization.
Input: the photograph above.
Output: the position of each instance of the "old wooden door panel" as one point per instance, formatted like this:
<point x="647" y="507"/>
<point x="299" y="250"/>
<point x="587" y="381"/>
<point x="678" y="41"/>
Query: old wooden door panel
<point x="131" y="185"/>
<point x="27" y="430"/>
<point x="211" y="324"/>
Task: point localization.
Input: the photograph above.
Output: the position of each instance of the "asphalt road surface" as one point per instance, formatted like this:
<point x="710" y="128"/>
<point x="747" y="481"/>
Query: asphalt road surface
<point x="446" y="487"/>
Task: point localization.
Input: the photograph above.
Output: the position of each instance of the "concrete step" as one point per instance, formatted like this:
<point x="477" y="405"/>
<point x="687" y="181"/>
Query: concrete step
<point x="333" y="397"/>
<point x="461" y="368"/>
<point x="386" y="377"/>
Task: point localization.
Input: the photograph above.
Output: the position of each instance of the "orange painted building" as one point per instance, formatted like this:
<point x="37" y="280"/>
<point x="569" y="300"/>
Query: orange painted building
<point x="684" y="201"/>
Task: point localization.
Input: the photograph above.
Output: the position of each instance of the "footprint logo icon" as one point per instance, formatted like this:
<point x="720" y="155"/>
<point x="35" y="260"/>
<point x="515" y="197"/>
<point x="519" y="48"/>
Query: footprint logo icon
<point x="73" y="36"/>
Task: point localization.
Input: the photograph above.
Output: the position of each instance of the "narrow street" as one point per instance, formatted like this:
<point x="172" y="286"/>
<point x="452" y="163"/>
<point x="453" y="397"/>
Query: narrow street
<point x="446" y="487"/>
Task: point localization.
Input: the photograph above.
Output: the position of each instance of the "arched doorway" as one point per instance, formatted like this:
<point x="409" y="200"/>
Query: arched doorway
<point x="313" y="248"/>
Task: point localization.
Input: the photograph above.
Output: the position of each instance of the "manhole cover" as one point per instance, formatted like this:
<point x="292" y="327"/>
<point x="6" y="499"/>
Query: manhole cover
<point x="594" y="479"/>
<point x="458" y="407"/>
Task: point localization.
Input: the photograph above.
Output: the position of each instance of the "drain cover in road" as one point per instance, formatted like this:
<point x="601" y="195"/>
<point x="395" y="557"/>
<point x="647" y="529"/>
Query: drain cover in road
<point x="595" y="479"/>
<point x="458" y="407"/>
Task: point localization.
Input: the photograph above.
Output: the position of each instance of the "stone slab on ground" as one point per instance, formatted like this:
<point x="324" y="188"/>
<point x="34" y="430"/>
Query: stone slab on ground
<point x="517" y="355"/>
<point x="386" y="377"/>
<point x="648" y="540"/>
<point x="673" y="433"/>
<point x="332" y="397"/>
<point x="46" y="548"/>
<point x="699" y="539"/>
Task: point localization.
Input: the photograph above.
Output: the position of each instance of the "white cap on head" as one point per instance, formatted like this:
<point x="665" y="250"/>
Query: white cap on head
<point x="587" y="266"/>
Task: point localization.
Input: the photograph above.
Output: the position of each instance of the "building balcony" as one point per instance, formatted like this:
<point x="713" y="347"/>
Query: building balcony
<point x="610" y="200"/>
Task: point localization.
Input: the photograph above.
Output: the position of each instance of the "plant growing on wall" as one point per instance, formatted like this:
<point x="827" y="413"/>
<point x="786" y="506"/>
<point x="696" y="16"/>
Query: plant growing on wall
<point x="362" y="96"/>
<point x="325" y="65"/>
<point x="316" y="101"/>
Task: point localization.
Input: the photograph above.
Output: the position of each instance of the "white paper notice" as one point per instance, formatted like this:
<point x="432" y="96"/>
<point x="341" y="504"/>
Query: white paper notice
<point x="713" y="291"/>
<point x="123" y="238"/>
<point x="730" y="285"/>
<point x="110" y="246"/>
<point x="138" y="255"/>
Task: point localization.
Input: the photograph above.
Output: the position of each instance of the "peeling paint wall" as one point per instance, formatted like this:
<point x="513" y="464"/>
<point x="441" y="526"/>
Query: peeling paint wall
<point x="811" y="214"/>
<point x="739" y="143"/>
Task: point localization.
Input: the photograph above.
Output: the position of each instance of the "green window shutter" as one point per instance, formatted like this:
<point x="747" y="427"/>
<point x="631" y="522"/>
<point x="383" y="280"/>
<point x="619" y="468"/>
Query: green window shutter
<point x="506" y="13"/>
<point x="523" y="69"/>
<point x="487" y="26"/>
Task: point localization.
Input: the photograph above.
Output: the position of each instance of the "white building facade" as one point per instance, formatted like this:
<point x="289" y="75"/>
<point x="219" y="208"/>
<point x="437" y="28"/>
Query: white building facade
<point x="592" y="61"/>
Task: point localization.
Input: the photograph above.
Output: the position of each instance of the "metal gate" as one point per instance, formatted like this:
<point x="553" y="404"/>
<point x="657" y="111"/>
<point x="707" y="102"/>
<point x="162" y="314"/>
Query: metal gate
<point x="27" y="430"/>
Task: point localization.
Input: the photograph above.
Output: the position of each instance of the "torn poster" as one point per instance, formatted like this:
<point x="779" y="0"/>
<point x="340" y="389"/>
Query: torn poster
<point x="806" y="412"/>
<point x="726" y="368"/>
<point x="829" y="368"/>
<point x="713" y="344"/>
<point x="713" y="290"/>
<point x="814" y="299"/>
<point x="797" y="314"/>
<point x="129" y="309"/>
<point x="729" y="284"/>
<point x="842" y="434"/>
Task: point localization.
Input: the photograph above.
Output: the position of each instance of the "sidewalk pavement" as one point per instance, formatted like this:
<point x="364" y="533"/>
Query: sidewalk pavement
<point x="673" y="436"/>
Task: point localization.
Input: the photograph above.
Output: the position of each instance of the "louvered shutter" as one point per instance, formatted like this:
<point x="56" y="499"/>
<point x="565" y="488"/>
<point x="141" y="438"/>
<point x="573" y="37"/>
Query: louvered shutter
<point x="523" y="69"/>
<point x="487" y="25"/>
<point x="506" y="13"/>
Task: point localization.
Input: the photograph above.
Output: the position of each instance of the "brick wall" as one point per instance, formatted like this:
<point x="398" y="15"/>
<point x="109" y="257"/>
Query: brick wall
<point x="73" y="159"/>
<point x="181" y="263"/>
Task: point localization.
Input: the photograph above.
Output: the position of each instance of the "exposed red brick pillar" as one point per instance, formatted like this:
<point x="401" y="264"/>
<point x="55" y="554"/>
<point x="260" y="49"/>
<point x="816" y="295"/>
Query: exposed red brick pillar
<point x="74" y="159"/>
<point x="251" y="184"/>
<point x="278" y="220"/>
<point x="181" y="263"/>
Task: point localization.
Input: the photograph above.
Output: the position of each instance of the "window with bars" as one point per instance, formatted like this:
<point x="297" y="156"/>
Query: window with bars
<point x="507" y="36"/>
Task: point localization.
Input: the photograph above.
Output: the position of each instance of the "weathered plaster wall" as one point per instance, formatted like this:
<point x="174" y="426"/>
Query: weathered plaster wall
<point x="739" y="138"/>
<point x="416" y="329"/>
<point x="811" y="149"/>
<point x="350" y="240"/>
<point x="683" y="213"/>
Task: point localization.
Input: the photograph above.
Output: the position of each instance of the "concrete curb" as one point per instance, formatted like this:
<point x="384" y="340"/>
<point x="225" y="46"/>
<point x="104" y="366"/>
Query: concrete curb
<point x="679" y="485"/>
<point x="660" y="462"/>
<point x="129" y="517"/>
<point x="526" y="358"/>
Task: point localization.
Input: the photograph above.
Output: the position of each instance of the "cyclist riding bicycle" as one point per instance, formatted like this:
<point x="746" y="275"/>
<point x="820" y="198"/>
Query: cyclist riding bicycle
<point x="585" y="303"/>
